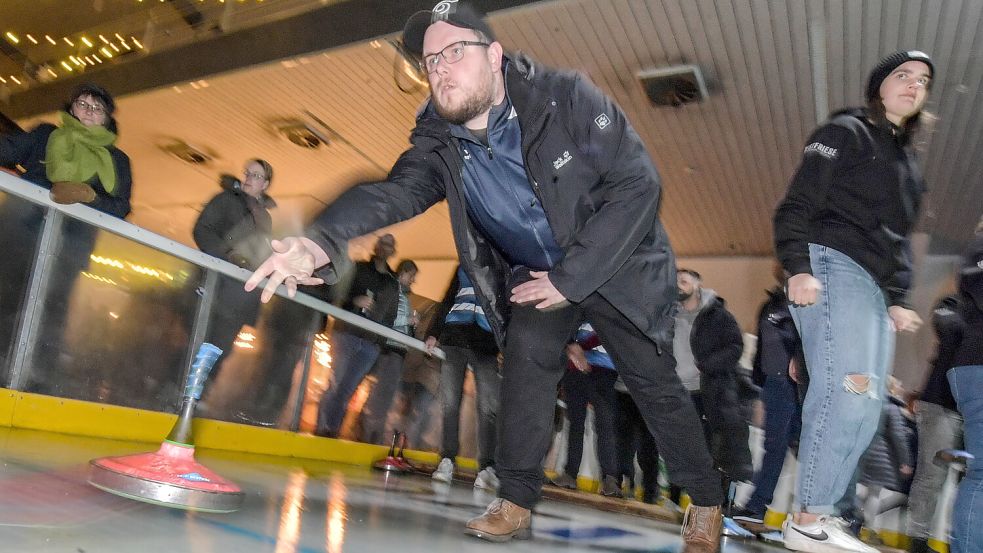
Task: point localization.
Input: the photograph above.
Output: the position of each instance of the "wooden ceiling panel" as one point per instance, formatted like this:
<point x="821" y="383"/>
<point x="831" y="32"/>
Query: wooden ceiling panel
<point x="725" y="162"/>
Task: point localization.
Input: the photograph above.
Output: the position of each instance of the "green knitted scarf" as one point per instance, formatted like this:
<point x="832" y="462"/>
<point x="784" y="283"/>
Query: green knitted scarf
<point x="75" y="153"/>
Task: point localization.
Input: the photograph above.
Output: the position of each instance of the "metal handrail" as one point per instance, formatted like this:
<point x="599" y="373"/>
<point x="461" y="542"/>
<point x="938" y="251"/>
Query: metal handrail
<point x="35" y="194"/>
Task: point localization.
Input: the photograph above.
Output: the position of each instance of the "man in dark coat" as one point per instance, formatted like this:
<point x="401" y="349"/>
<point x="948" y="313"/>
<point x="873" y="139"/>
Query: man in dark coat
<point x="779" y="347"/>
<point x="553" y="202"/>
<point x="708" y="342"/>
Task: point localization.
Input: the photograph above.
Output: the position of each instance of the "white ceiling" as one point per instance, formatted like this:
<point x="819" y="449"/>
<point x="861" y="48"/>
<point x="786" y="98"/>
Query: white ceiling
<point x="725" y="162"/>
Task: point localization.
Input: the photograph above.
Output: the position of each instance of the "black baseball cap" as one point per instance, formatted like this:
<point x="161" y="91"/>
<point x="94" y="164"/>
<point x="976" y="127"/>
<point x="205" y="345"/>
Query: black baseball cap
<point x="456" y="12"/>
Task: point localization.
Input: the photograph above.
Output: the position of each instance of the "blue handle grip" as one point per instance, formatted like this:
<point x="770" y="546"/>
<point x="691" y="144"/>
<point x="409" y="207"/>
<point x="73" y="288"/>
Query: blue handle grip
<point x="204" y="361"/>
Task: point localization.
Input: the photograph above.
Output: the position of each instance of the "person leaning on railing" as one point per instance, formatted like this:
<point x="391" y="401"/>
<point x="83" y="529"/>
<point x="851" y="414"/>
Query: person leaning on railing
<point x="77" y="161"/>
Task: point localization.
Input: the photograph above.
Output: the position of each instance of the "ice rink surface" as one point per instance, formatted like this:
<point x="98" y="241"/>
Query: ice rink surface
<point x="291" y="505"/>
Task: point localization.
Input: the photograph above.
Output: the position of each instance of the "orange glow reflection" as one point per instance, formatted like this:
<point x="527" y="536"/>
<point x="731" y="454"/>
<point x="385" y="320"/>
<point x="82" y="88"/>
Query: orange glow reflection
<point x="337" y="515"/>
<point x="290" y="513"/>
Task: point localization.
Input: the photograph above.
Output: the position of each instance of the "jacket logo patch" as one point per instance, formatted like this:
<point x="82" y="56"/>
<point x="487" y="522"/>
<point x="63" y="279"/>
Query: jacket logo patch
<point x="602" y="121"/>
<point x="562" y="160"/>
<point x="467" y="154"/>
<point x="822" y="149"/>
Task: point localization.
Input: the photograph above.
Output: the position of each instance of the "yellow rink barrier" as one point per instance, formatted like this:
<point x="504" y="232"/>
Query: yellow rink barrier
<point x="83" y="418"/>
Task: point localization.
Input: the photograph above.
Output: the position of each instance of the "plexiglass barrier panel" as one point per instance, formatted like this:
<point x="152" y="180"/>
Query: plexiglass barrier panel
<point x="95" y="309"/>
<point x="115" y="320"/>
<point x="265" y="350"/>
<point x="20" y="230"/>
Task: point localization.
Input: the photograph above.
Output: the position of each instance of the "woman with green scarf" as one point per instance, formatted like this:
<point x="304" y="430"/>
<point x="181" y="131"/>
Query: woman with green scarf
<point x="77" y="161"/>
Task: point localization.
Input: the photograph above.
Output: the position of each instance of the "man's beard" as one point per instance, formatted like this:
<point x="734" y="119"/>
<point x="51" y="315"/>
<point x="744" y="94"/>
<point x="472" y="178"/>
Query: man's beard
<point x="476" y="103"/>
<point x="683" y="296"/>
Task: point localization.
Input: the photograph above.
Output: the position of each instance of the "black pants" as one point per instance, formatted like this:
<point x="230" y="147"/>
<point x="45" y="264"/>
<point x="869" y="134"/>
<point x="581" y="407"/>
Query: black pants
<point x="634" y="437"/>
<point x="534" y="364"/>
<point x="597" y="389"/>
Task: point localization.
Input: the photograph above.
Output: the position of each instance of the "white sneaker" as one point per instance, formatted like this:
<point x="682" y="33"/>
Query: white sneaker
<point x="487" y="479"/>
<point x="445" y="471"/>
<point x="825" y="535"/>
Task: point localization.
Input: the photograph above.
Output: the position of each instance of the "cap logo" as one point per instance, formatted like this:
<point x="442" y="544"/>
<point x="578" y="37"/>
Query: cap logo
<point x="917" y="54"/>
<point x="442" y="10"/>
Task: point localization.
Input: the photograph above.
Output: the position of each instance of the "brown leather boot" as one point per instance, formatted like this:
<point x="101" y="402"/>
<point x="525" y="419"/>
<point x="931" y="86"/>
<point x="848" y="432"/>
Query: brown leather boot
<point x="701" y="529"/>
<point x="502" y="521"/>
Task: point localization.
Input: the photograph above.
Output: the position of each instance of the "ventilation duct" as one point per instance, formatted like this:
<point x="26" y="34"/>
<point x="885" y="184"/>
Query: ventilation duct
<point x="187" y="153"/>
<point x="673" y="86"/>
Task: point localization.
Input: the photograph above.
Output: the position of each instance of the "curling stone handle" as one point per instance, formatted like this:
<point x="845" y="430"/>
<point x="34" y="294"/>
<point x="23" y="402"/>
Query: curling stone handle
<point x="202" y="365"/>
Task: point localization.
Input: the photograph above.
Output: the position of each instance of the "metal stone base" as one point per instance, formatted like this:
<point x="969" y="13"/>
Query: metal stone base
<point x="166" y="495"/>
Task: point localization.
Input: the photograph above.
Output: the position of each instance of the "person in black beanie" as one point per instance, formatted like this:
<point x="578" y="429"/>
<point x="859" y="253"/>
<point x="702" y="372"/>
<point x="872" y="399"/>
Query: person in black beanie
<point x="841" y="233"/>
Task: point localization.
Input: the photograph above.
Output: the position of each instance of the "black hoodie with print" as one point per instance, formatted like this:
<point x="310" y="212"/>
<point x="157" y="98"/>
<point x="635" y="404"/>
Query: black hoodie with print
<point x="857" y="190"/>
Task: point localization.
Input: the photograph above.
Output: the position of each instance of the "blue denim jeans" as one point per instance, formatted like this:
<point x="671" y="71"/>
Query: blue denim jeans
<point x="783" y="417"/>
<point x="353" y="357"/>
<point x="849" y="345"/>
<point x="967" y="513"/>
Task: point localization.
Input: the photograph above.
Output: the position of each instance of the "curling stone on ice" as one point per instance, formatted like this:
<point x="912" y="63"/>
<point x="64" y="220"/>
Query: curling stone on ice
<point x="170" y="476"/>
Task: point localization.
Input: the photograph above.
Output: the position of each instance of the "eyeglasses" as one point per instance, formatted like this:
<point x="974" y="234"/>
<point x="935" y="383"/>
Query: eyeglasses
<point x="257" y="176"/>
<point x="451" y="54"/>
<point x="82" y="105"/>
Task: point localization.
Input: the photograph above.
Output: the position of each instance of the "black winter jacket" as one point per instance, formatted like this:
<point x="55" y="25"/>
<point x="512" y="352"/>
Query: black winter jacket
<point x="602" y="204"/>
<point x="778" y="339"/>
<point x="889" y="450"/>
<point x="235" y="227"/>
<point x="716" y="340"/>
<point x="858" y="191"/>
<point x="29" y="150"/>
<point x="970" y="350"/>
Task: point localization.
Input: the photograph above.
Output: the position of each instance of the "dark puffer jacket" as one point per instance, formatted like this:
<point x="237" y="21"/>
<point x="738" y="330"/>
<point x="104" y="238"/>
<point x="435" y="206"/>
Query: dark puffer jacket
<point x="889" y="450"/>
<point x="236" y="227"/>
<point x="716" y="340"/>
<point x="717" y="345"/>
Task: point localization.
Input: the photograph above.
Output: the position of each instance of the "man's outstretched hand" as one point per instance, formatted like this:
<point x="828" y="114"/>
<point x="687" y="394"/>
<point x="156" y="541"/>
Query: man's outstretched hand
<point x="293" y="262"/>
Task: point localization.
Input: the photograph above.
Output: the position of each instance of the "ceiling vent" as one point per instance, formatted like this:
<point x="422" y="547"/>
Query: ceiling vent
<point x="673" y="86"/>
<point x="301" y="134"/>
<point x="188" y="153"/>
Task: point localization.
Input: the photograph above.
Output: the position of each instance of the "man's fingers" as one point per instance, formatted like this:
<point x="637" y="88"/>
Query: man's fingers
<point x="291" y="283"/>
<point x="278" y="246"/>
<point x="259" y="274"/>
<point x="275" y="280"/>
<point x="537" y="274"/>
